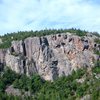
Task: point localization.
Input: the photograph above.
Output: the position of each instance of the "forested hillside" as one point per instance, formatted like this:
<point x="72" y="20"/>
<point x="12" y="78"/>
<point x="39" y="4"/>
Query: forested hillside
<point x="75" y="86"/>
<point x="7" y="38"/>
<point x="70" y="62"/>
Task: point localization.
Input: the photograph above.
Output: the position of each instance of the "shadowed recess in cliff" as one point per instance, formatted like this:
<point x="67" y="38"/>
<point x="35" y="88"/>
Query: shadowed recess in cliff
<point x="44" y="42"/>
<point x="24" y="48"/>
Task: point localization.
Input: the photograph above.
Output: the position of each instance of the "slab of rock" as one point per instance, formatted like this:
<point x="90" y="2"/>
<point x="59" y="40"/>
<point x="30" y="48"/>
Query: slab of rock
<point x="86" y="97"/>
<point x="16" y="92"/>
<point x="50" y="56"/>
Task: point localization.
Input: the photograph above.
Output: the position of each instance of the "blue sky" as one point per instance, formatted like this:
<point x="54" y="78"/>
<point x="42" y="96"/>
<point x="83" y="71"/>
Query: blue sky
<point x="20" y="15"/>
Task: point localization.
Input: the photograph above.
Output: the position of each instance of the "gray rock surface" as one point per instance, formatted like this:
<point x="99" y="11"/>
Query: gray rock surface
<point x="49" y="56"/>
<point x="14" y="91"/>
<point x="86" y="97"/>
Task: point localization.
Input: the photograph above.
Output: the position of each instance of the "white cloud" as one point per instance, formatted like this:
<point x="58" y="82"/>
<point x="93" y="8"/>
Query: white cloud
<point x="19" y="15"/>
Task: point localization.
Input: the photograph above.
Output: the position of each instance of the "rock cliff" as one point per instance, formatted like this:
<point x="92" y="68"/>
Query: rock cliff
<point x="49" y="56"/>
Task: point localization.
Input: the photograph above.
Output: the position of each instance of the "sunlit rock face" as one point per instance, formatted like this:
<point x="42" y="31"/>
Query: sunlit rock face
<point x="50" y="56"/>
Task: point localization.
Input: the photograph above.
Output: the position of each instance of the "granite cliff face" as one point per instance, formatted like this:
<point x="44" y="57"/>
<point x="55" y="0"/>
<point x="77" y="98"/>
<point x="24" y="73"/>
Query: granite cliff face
<point x="49" y="56"/>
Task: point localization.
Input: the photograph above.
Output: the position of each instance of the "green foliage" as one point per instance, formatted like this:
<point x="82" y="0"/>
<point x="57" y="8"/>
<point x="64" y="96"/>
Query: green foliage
<point x="22" y="83"/>
<point x="5" y="44"/>
<point x="79" y="73"/>
<point x="68" y="88"/>
<point x="97" y="40"/>
<point x="81" y="33"/>
<point x="36" y="83"/>
<point x="81" y="89"/>
<point x="97" y="52"/>
<point x="5" y="96"/>
<point x="32" y="84"/>
<point x="2" y="86"/>
<point x="8" y="38"/>
<point x="96" y="34"/>
<point x="9" y="76"/>
<point x="96" y="69"/>
<point x="63" y="88"/>
<point x="6" y="78"/>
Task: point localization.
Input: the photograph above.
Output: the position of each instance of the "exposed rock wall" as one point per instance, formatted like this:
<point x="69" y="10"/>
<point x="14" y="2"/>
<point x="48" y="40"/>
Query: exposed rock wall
<point x="49" y="56"/>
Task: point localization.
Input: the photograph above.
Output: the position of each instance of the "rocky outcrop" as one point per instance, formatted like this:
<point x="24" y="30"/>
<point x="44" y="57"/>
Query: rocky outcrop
<point x="49" y="56"/>
<point x="17" y="92"/>
<point x="86" y="97"/>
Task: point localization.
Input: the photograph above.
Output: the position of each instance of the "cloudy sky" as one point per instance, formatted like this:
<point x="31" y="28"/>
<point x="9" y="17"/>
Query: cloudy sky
<point x="20" y="15"/>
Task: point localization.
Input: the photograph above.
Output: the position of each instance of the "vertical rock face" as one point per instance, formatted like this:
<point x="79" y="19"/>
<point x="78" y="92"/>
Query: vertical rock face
<point x="15" y="63"/>
<point x="49" y="56"/>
